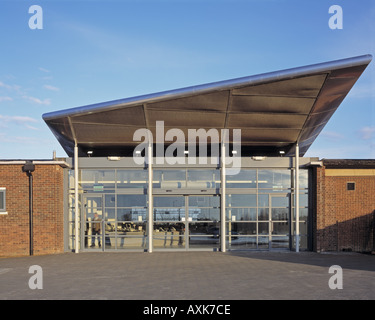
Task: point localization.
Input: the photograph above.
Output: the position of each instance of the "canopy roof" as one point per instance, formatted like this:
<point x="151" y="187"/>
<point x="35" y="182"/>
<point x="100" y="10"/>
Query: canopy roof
<point x="274" y="111"/>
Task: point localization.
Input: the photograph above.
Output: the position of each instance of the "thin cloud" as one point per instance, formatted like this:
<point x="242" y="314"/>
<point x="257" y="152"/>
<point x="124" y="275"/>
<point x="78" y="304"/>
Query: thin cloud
<point x="24" y="121"/>
<point x="17" y="119"/>
<point x="6" y="99"/>
<point x="45" y="102"/>
<point x="332" y="135"/>
<point x="44" y="70"/>
<point x="51" y="88"/>
<point x="367" y="133"/>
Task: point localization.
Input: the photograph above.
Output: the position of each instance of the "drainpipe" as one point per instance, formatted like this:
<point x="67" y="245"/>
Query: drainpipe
<point x="29" y="167"/>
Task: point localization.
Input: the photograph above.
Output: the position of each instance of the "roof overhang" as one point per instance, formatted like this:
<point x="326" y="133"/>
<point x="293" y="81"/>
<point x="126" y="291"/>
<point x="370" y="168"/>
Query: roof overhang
<point x="274" y="111"/>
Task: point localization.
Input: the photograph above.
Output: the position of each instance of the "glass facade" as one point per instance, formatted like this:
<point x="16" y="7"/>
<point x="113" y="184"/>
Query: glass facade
<point x="186" y="211"/>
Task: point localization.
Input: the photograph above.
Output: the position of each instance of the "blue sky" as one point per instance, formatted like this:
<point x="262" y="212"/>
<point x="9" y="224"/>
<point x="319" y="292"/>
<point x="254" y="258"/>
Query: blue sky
<point x="93" y="51"/>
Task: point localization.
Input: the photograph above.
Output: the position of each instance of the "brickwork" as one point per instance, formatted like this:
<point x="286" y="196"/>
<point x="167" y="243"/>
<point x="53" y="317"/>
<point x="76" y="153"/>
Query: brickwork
<point x="344" y="218"/>
<point x="48" y="209"/>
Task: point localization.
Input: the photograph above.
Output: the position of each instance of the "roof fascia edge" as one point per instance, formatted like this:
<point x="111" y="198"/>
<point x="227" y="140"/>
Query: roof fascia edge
<point x="214" y="86"/>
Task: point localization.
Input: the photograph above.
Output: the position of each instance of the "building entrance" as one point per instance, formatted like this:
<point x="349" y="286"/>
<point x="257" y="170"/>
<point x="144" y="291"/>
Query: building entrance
<point x="187" y="222"/>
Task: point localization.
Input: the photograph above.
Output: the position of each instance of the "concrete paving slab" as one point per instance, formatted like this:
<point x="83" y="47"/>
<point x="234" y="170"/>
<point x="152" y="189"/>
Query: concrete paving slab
<point x="189" y="276"/>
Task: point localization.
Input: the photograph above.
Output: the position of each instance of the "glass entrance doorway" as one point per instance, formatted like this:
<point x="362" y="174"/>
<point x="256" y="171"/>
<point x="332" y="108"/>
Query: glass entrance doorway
<point x="260" y="222"/>
<point x="92" y="222"/>
<point x="114" y="222"/>
<point x="186" y="222"/>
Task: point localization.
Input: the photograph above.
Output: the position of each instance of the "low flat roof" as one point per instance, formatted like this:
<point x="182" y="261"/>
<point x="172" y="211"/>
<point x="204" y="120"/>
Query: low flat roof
<point x="273" y="110"/>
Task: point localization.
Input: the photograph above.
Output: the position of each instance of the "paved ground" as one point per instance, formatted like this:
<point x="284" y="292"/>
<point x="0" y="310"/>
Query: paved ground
<point x="189" y="276"/>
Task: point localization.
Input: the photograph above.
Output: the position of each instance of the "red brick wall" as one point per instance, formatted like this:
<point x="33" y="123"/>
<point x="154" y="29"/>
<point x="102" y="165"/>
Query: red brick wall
<point x="47" y="210"/>
<point x="344" y="218"/>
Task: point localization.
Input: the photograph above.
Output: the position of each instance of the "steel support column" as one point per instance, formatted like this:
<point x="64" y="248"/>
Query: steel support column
<point x="223" y="195"/>
<point x="296" y="197"/>
<point x="150" y="220"/>
<point x="76" y="206"/>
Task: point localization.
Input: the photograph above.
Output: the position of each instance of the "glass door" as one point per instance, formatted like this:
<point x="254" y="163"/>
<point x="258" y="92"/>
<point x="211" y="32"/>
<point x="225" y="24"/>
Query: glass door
<point x="279" y="221"/>
<point x="92" y="222"/>
<point x="169" y="214"/>
<point x="186" y="222"/>
<point x="203" y="222"/>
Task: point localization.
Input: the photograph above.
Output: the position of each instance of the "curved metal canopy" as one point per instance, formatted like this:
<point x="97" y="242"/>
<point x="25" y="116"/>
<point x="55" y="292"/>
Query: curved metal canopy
<point x="274" y="111"/>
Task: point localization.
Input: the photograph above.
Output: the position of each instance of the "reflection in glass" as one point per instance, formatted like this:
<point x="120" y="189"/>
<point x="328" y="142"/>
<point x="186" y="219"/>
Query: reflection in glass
<point x="171" y="202"/>
<point x="274" y="179"/>
<point x="280" y="242"/>
<point x="235" y="229"/>
<point x="241" y="200"/>
<point x="241" y="214"/>
<point x="263" y="228"/>
<point x="198" y="178"/>
<point x="279" y="214"/>
<point x="280" y="228"/>
<point x="132" y="178"/>
<point x="131" y="200"/>
<point x="245" y="179"/>
<point x="263" y="200"/>
<point x="242" y="242"/>
<point x="204" y="201"/>
<point x="282" y="202"/>
<point x="263" y="213"/>
<point x="98" y="180"/>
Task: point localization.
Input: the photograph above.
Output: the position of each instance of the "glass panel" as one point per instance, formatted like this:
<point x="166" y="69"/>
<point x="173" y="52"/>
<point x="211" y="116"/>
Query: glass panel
<point x="241" y="228"/>
<point x="170" y="179"/>
<point x="263" y="228"/>
<point x="131" y="228"/>
<point x="169" y="235"/>
<point x="203" y="178"/>
<point x="98" y="180"/>
<point x="132" y="179"/>
<point x="241" y="214"/>
<point x="171" y="202"/>
<point x="263" y="243"/>
<point x="93" y="205"/>
<point x="131" y="242"/>
<point x="204" y="228"/>
<point x="110" y="214"/>
<point x="202" y="241"/>
<point x="245" y="179"/>
<point x="263" y="200"/>
<point x="263" y="214"/>
<point x="303" y="200"/>
<point x="274" y="179"/>
<point x="242" y="242"/>
<point x="242" y="200"/>
<point x="204" y="201"/>
<point x="132" y="214"/>
<point x="280" y="242"/>
<point x="169" y="214"/>
<point x="131" y="200"/>
<point x="282" y="202"/>
<point x="303" y="179"/>
<point x="93" y="235"/>
<point x="110" y="201"/>
<point x="280" y="214"/>
<point x="280" y="228"/>
<point x="204" y="214"/>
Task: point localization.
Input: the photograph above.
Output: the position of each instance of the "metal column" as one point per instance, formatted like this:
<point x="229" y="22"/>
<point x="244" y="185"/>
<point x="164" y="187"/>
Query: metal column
<point x="76" y="206"/>
<point x="296" y="196"/>
<point x="150" y="224"/>
<point x="223" y="195"/>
